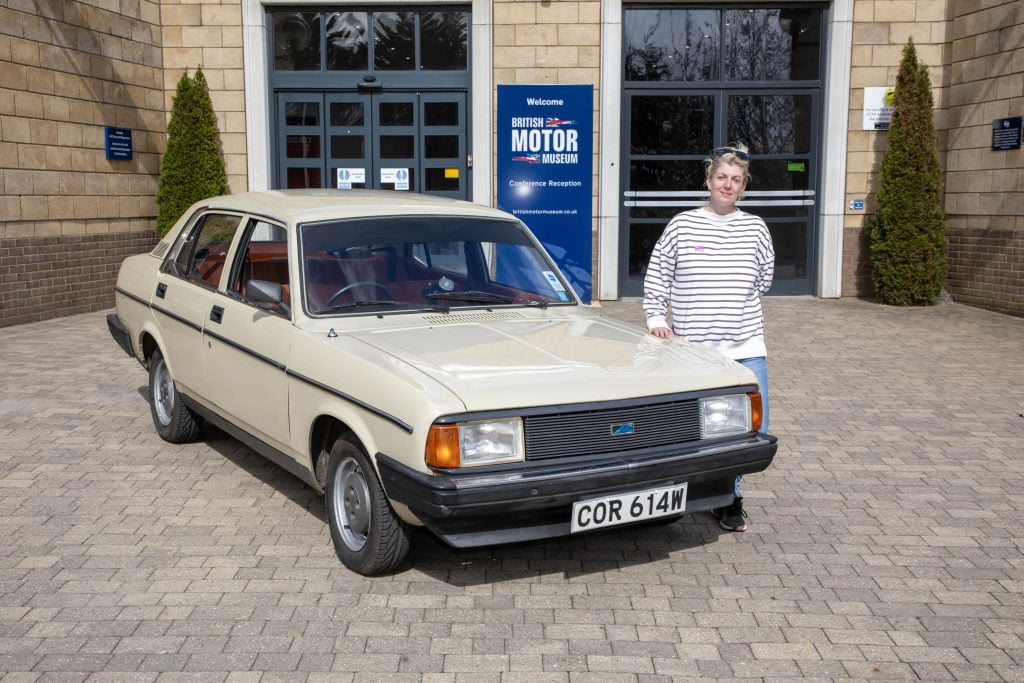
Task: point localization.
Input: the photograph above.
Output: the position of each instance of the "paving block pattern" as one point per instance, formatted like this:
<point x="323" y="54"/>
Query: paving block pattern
<point x="883" y="543"/>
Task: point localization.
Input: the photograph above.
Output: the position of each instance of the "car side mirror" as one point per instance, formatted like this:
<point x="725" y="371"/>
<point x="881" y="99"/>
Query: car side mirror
<point x="264" y="292"/>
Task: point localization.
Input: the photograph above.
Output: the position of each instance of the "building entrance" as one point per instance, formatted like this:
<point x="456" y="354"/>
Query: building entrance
<point x="413" y="141"/>
<point x="375" y="99"/>
<point x="696" y="79"/>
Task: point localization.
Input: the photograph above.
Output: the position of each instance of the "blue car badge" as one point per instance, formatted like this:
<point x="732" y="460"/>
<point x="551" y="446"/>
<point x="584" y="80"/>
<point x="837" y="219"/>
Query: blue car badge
<point x="624" y="428"/>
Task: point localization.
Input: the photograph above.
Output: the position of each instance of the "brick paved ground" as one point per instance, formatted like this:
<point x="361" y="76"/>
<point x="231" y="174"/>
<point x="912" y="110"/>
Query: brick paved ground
<point x="885" y="541"/>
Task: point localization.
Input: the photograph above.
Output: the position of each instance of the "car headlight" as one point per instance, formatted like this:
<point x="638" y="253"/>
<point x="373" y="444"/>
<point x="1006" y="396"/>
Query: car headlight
<point x="732" y="414"/>
<point x="470" y="444"/>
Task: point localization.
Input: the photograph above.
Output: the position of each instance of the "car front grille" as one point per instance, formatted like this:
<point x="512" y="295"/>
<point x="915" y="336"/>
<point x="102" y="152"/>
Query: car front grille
<point x="593" y="432"/>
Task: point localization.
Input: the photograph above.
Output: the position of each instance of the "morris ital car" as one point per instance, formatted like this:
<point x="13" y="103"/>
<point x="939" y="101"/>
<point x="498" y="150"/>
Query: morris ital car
<point x="422" y="362"/>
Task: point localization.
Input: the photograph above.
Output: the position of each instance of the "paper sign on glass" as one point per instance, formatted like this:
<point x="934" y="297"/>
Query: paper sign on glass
<point x="348" y="176"/>
<point x="398" y="176"/>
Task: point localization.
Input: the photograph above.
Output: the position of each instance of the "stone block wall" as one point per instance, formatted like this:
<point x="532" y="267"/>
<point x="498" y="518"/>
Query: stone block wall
<point x="880" y="30"/>
<point x="208" y="34"/>
<point x="985" y="187"/>
<point x="68" y="69"/>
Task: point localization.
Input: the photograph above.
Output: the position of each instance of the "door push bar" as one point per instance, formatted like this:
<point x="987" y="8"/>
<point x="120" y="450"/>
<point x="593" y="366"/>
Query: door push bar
<point x="699" y="197"/>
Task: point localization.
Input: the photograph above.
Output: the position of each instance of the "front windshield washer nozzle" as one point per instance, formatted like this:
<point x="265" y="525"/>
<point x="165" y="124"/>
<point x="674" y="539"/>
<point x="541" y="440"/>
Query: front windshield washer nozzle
<point x="332" y="334"/>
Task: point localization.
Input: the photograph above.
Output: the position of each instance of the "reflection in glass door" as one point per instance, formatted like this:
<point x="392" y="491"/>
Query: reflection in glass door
<point x="300" y="140"/>
<point x="390" y="141"/>
<point x="701" y="78"/>
<point x="668" y="135"/>
<point x="371" y="97"/>
<point x="348" y="135"/>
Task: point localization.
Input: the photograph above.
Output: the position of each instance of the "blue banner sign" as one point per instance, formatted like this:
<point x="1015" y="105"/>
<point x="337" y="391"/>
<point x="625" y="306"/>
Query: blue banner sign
<point x="545" y="170"/>
<point x="118" y="142"/>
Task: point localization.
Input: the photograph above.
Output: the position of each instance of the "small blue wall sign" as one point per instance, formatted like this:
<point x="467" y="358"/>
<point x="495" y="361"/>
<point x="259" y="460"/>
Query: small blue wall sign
<point x="545" y="170"/>
<point x="118" y="143"/>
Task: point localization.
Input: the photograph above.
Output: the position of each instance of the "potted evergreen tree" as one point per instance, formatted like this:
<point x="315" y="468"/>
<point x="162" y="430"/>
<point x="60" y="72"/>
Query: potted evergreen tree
<point x="192" y="167"/>
<point x="908" y="229"/>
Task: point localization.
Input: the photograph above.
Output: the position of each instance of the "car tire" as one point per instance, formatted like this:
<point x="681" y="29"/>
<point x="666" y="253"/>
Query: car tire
<point x="173" y="420"/>
<point x="368" y="538"/>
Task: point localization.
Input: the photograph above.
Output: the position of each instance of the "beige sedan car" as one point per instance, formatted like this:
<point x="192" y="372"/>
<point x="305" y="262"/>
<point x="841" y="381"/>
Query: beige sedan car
<point x="423" y="362"/>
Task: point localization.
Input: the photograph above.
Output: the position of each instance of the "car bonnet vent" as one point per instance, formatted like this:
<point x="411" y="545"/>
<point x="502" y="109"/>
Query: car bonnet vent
<point x="483" y="316"/>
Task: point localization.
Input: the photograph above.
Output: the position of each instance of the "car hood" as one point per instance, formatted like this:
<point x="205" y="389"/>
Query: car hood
<point x="494" y="361"/>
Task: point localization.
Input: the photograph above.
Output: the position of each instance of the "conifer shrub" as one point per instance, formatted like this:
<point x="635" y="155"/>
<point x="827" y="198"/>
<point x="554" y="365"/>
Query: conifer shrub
<point x="192" y="167"/>
<point x="908" y="230"/>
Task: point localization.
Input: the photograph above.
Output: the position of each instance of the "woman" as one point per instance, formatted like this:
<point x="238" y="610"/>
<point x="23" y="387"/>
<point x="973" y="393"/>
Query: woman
<point x="709" y="270"/>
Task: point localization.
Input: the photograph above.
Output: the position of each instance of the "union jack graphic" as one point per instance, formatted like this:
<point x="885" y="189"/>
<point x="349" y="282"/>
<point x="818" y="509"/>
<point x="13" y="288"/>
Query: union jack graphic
<point x="555" y="123"/>
<point x="528" y="158"/>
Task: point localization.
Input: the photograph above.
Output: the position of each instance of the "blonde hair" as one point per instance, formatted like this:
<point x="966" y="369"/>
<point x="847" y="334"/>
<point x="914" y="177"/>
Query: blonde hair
<point x="729" y="155"/>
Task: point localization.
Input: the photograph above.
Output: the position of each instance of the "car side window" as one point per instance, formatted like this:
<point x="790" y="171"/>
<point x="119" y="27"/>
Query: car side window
<point x="263" y="258"/>
<point x="204" y="250"/>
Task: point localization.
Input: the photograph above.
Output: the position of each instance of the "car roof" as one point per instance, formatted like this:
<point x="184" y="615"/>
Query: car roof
<point x="312" y="205"/>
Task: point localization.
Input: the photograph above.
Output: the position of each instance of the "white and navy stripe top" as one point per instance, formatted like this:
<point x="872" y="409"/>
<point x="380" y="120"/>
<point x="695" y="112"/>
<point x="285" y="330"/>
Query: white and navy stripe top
<point x="711" y="271"/>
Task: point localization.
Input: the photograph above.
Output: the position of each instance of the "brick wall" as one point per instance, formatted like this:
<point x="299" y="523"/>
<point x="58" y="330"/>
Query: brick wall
<point x="68" y="69"/>
<point x="985" y="188"/>
<point x="49" y="277"/>
<point x="986" y="268"/>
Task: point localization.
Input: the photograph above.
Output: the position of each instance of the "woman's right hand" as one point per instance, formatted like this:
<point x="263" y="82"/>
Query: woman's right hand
<point x="662" y="332"/>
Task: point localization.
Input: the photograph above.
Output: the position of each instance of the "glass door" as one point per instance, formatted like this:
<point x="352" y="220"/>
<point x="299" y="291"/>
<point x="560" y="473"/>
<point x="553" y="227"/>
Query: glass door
<point x="300" y="146"/>
<point x="700" y="78"/>
<point x="374" y="140"/>
<point x="779" y="127"/>
<point x="349" y="159"/>
<point x="668" y="135"/>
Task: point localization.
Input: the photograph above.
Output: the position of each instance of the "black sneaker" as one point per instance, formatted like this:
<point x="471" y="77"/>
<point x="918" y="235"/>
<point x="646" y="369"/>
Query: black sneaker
<point x="732" y="517"/>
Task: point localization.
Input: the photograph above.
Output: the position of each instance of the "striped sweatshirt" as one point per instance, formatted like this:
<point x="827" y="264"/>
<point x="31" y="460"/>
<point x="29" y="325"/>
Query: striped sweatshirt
<point x="710" y="271"/>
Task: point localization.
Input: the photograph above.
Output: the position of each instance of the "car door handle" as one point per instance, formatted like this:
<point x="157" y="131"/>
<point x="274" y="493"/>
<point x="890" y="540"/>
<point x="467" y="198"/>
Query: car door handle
<point x="161" y="290"/>
<point x="216" y="314"/>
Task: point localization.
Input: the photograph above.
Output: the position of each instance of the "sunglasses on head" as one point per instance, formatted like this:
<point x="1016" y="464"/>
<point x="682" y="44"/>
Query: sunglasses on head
<point x="730" y="150"/>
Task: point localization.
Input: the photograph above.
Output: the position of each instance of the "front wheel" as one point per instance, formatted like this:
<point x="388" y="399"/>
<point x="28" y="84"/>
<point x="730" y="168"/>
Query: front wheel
<point x="368" y="537"/>
<point x="173" y="420"/>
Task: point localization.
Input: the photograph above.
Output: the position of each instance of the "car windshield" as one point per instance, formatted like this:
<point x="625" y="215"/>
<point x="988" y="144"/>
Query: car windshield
<point x="393" y="264"/>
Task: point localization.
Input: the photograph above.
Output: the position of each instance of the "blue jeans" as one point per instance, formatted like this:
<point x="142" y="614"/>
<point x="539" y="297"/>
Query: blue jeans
<point x="759" y="366"/>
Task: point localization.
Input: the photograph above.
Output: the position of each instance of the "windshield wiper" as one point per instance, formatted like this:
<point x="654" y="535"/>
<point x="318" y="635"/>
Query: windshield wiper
<point x="366" y="303"/>
<point x="476" y="296"/>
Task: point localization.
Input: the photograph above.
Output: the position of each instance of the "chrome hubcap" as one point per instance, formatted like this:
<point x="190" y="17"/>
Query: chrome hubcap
<point x="350" y="500"/>
<point x="163" y="393"/>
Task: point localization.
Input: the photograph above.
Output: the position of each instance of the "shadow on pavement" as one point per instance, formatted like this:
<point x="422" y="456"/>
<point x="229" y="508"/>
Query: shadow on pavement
<point x="566" y="557"/>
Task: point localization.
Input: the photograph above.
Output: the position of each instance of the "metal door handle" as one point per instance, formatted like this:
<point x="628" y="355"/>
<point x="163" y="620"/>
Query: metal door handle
<point x="216" y="314"/>
<point x="161" y="290"/>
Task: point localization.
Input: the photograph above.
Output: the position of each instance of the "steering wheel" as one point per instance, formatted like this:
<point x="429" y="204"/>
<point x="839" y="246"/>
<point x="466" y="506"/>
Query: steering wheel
<point x="352" y="285"/>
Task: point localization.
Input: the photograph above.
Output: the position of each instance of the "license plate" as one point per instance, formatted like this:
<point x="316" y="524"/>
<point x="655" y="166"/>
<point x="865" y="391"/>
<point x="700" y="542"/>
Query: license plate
<point x="625" y="508"/>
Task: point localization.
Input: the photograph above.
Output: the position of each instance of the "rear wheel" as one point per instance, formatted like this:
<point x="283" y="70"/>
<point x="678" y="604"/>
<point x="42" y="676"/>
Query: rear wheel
<point x="368" y="537"/>
<point x="174" y="422"/>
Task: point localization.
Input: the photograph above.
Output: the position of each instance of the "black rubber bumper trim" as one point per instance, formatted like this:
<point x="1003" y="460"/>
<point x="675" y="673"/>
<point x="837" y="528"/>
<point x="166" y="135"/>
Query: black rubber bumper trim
<point x="120" y="333"/>
<point x="451" y="495"/>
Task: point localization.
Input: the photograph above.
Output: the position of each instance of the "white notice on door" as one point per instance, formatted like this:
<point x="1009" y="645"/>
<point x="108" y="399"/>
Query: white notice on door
<point x="398" y="176"/>
<point x="348" y="176"/>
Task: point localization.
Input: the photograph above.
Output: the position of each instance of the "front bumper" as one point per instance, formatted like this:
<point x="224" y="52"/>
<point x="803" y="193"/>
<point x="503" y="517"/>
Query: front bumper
<point x="533" y="502"/>
<point x="120" y="333"/>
